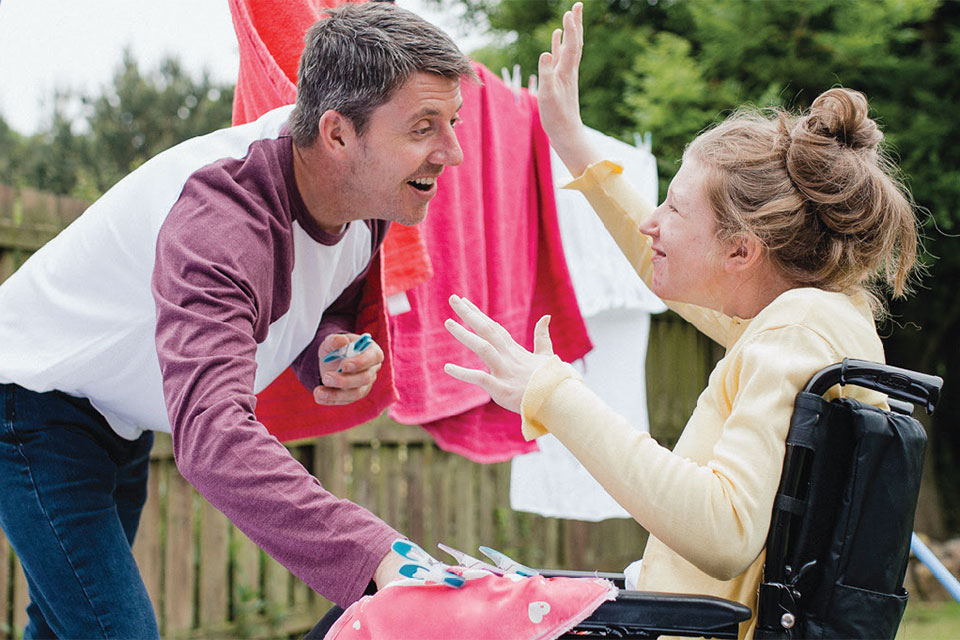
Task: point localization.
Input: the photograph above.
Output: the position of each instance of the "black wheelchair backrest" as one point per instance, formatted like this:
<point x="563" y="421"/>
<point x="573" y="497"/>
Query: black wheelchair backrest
<point x="840" y="531"/>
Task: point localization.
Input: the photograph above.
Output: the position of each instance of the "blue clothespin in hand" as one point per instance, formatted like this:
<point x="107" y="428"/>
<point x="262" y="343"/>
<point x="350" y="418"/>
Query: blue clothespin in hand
<point x="348" y="350"/>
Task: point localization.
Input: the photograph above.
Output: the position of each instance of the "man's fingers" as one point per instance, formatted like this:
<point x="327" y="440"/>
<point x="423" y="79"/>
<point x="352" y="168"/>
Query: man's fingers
<point x="333" y="396"/>
<point x="348" y="380"/>
<point x="367" y="359"/>
<point x="545" y="65"/>
<point x="555" y="40"/>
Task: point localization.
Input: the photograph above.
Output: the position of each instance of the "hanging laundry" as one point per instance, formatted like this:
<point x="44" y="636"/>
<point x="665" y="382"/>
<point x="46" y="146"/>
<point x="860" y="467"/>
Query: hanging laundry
<point x="493" y="224"/>
<point x="493" y="236"/>
<point x="616" y="306"/>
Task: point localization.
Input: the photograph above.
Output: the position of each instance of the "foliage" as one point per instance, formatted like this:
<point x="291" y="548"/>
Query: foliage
<point x="672" y="67"/>
<point x="131" y="120"/>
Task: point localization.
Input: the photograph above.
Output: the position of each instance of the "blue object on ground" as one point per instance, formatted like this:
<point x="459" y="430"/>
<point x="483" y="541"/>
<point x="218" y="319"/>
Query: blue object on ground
<point x="936" y="567"/>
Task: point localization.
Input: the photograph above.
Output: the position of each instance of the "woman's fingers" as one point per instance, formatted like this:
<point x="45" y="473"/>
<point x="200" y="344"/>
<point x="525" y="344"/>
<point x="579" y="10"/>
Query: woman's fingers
<point x="472" y="341"/>
<point x="488" y="329"/>
<point x="572" y="47"/>
<point x="541" y="336"/>
<point x="473" y="376"/>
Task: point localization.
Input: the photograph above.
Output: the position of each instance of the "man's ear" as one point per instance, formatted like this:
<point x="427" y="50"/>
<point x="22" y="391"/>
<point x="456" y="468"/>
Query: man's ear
<point x="743" y="252"/>
<point x="336" y="132"/>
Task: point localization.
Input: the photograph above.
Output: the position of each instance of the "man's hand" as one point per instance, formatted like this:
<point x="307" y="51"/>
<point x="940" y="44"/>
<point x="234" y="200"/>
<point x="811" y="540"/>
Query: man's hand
<point x="388" y="570"/>
<point x="346" y="380"/>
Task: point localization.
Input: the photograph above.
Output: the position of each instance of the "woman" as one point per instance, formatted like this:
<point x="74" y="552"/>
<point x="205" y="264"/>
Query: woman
<point x="772" y="237"/>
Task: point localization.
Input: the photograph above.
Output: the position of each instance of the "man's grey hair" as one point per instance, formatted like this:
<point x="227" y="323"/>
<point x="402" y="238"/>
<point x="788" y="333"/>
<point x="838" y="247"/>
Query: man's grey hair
<point x="357" y="57"/>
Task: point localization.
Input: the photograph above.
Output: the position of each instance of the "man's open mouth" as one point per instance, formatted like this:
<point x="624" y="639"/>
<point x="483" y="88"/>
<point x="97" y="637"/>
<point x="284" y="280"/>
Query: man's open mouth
<point x="423" y="184"/>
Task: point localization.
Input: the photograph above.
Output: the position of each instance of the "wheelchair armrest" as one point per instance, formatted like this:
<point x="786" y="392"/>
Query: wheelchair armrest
<point x="616" y="578"/>
<point x="648" y="614"/>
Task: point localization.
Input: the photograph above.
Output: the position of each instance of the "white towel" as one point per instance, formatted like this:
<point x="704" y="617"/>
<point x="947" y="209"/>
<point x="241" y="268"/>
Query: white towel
<point x="616" y="306"/>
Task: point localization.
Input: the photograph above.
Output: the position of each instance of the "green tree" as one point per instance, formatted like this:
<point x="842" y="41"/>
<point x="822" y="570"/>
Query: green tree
<point x="672" y="67"/>
<point x="140" y="115"/>
<point x="132" y="119"/>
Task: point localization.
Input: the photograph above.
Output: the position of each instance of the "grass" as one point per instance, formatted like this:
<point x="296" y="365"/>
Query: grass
<point x="930" y="621"/>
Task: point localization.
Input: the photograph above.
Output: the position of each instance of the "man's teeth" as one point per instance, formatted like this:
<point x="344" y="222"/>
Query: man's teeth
<point x="423" y="183"/>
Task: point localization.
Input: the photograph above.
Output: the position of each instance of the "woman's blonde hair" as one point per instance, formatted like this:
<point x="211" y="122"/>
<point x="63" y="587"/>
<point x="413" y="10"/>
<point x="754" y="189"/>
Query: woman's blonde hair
<point x="817" y="190"/>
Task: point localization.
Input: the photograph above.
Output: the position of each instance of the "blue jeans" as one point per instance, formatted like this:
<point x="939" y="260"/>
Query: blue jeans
<point x="71" y="493"/>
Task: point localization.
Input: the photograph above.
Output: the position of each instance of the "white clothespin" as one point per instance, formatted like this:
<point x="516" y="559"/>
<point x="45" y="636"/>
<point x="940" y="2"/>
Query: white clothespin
<point x="644" y="142"/>
<point x="512" y="80"/>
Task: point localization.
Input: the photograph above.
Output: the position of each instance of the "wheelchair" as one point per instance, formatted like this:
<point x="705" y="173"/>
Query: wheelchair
<point x="812" y="543"/>
<point x="795" y="597"/>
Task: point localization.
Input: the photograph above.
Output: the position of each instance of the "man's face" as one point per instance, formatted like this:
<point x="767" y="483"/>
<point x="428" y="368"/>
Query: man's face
<point x="407" y="143"/>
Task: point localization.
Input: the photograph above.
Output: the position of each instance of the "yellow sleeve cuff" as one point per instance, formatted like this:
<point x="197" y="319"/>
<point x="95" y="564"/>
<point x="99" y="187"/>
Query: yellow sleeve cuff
<point x="594" y="175"/>
<point x="542" y="384"/>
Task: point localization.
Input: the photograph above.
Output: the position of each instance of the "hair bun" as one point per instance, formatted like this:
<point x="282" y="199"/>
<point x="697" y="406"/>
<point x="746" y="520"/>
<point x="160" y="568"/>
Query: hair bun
<point x="841" y="115"/>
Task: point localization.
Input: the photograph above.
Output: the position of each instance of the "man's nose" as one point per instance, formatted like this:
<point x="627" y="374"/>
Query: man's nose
<point x="448" y="151"/>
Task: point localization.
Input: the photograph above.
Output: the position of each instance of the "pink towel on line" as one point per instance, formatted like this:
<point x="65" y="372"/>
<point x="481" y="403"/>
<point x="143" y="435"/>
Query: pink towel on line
<point x="493" y="237"/>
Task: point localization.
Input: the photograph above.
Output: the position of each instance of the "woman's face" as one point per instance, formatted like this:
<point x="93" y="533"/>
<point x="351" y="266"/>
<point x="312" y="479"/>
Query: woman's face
<point x="687" y="256"/>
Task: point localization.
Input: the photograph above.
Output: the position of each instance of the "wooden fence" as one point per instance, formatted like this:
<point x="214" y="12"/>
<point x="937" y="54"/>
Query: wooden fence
<point x="207" y="580"/>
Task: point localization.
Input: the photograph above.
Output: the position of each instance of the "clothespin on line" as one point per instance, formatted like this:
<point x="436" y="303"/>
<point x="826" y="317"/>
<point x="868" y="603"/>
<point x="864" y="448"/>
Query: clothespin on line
<point x="512" y="80"/>
<point x="644" y="142"/>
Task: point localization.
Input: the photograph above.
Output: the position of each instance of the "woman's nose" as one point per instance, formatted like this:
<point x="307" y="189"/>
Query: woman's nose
<point x="651" y="225"/>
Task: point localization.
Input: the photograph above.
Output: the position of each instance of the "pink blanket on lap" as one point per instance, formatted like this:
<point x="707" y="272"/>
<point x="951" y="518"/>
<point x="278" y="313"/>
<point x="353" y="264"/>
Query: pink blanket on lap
<point x="490" y="608"/>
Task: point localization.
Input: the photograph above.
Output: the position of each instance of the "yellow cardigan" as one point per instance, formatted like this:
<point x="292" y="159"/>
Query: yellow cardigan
<point x="706" y="504"/>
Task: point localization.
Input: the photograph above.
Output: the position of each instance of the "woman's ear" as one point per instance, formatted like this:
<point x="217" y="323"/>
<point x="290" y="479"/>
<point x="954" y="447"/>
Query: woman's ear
<point x="744" y="251"/>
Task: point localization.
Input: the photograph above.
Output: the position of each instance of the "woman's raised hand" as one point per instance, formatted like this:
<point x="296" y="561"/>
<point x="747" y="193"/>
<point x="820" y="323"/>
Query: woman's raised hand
<point x="558" y="93"/>
<point x="510" y="364"/>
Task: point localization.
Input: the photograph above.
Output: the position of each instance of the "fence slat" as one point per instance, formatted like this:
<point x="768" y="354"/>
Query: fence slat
<point x="214" y="605"/>
<point x="246" y="576"/>
<point x="146" y="546"/>
<point x="301" y="594"/>
<point x="276" y="588"/>
<point x="6" y="559"/>
<point x="21" y="598"/>
<point x="179" y="571"/>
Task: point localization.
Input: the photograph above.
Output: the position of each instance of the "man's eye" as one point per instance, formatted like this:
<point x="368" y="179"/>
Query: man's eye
<point x="455" y="121"/>
<point x="422" y="131"/>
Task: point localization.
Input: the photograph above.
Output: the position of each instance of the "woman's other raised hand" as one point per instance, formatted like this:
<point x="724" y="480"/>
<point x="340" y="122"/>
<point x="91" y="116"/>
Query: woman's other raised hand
<point x="558" y="94"/>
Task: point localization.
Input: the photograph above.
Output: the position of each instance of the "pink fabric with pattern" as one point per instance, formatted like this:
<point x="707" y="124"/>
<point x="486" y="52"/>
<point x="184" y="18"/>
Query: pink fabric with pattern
<point x="488" y="608"/>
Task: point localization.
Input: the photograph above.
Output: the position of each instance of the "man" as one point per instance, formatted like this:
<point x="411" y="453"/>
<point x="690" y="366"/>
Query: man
<point x="185" y="290"/>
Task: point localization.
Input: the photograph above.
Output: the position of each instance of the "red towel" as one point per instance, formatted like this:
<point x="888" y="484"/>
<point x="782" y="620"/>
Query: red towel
<point x="270" y="37"/>
<point x="493" y="237"/>
<point x="289" y="412"/>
